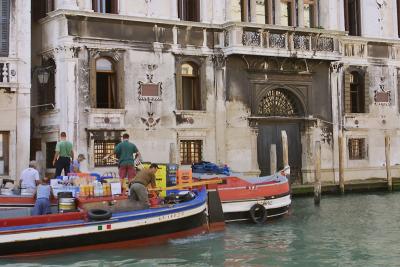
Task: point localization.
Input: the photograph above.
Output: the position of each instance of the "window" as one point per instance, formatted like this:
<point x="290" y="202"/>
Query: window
<point x="265" y="11"/>
<point x="106" y="88"/>
<point x="50" y="151"/>
<point x="104" y="148"/>
<point x="190" y="87"/>
<point x="287" y="13"/>
<point x="352" y="17"/>
<point x="4" y="27"/>
<point x="398" y="17"/>
<point x="310" y="13"/>
<point x="4" y="152"/>
<point x="47" y="90"/>
<point x="105" y="6"/>
<point x="189" y="10"/>
<point x="41" y="8"/>
<point x="356" y="93"/>
<point x="191" y="151"/>
<point x="357" y="148"/>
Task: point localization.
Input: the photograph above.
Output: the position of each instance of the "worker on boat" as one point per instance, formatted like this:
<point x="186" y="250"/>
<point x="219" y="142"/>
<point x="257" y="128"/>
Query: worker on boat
<point x="76" y="164"/>
<point x="126" y="163"/>
<point x="63" y="155"/>
<point x="43" y="195"/>
<point x="138" y="187"/>
<point x="29" y="178"/>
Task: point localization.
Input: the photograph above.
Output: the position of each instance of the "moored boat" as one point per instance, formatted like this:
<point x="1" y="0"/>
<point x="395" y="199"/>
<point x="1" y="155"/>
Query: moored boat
<point x="76" y="230"/>
<point x="255" y="199"/>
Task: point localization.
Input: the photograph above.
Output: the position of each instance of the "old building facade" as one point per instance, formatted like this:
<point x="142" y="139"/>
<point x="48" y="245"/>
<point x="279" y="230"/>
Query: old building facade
<point x="214" y="80"/>
<point x="15" y="87"/>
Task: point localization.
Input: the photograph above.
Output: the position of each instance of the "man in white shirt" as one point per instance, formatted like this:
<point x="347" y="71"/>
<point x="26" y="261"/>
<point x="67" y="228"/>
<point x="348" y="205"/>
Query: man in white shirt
<point x="30" y="177"/>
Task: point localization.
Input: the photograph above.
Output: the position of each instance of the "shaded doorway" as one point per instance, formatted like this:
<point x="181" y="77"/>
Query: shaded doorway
<point x="269" y="134"/>
<point x="277" y="110"/>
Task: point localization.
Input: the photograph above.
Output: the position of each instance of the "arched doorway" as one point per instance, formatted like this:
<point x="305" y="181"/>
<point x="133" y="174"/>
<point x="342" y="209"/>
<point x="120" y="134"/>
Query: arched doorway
<point x="279" y="109"/>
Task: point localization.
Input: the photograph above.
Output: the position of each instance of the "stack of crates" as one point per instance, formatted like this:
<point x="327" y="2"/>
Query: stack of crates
<point x="171" y="174"/>
<point x="184" y="176"/>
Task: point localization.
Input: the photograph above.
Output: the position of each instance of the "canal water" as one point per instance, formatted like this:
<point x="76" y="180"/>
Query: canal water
<point x="353" y="230"/>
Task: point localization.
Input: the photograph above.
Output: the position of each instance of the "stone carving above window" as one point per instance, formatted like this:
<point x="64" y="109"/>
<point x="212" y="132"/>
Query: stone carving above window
<point x="381" y="96"/>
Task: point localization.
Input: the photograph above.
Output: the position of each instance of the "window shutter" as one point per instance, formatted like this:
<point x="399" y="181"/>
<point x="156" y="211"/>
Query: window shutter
<point x="4" y="27"/>
<point x="366" y="92"/>
<point x="347" y="101"/>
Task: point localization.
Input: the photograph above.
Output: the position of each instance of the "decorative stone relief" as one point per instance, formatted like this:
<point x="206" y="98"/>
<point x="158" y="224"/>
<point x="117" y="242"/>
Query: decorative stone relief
<point x="84" y="74"/>
<point x="149" y="90"/>
<point x="381" y="96"/>
<point x="325" y="44"/>
<point x="150" y="121"/>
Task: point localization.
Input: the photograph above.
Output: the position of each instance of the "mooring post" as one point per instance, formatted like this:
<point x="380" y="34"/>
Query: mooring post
<point x="341" y="163"/>
<point x="388" y="169"/>
<point x="285" y="150"/>
<point x="317" y="176"/>
<point x="272" y="158"/>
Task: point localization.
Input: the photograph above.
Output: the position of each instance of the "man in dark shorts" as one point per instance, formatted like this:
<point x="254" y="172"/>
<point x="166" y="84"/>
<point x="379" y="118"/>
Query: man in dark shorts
<point x="63" y="156"/>
<point x="126" y="162"/>
<point x="138" y="189"/>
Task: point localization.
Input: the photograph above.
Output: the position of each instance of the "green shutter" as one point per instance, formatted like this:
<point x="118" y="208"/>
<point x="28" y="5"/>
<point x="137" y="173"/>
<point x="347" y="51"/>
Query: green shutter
<point x="4" y="27"/>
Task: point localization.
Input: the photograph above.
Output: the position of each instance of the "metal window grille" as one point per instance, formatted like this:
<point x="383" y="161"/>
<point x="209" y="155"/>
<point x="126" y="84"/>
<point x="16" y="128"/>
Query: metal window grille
<point x="191" y="151"/>
<point x="357" y="148"/>
<point x="4" y="27"/>
<point x="103" y="148"/>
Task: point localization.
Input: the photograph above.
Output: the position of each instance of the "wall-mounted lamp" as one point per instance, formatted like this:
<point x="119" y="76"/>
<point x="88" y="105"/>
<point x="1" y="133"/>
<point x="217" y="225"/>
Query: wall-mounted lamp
<point x="43" y="76"/>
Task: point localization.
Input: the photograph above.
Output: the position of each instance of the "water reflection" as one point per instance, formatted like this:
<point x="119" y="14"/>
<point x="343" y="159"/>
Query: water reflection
<point x="356" y="230"/>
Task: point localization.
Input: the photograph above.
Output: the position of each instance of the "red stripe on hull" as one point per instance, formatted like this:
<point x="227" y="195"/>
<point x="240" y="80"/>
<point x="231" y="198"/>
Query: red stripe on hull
<point x="258" y="192"/>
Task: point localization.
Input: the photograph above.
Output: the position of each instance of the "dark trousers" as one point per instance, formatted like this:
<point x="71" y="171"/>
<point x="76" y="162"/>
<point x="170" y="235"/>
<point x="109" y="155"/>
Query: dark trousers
<point x="63" y="163"/>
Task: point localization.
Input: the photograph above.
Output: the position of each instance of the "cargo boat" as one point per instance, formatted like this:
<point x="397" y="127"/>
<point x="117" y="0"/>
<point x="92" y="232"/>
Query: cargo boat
<point x="46" y="234"/>
<point x="256" y="199"/>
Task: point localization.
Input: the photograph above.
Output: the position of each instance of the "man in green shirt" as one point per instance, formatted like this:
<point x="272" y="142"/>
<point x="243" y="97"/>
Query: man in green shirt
<point x="63" y="156"/>
<point x="126" y="162"/>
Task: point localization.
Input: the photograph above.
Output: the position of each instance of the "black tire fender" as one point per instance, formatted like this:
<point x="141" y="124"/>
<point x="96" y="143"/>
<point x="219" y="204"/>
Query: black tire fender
<point x="258" y="218"/>
<point x="99" y="214"/>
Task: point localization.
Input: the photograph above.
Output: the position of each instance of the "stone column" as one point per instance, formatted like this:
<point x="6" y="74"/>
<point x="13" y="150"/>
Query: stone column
<point x="253" y="11"/>
<point x="277" y="12"/>
<point x="336" y="87"/>
<point x="23" y="95"/>
<point x="174" y="9"/>
<point x="66" y="91"/>
<point x="300" y="12"/>
<point x="220" y="109"/>
<point x="86" y="5"/>
<point x="65" y="4"/>
<point x="255" y="170"/>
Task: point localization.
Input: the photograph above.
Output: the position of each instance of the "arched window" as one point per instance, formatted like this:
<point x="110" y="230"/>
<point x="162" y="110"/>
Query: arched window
<point x="106" y="86"/>
<point x="352" y="17"/>
<point x="47" y="95"/>
<point x="189" y="10"/>
<point x="190" y="87"/>
<point x="310" y="13"/>
<point x="280" y="102"/>
<point x="357" y="99"/>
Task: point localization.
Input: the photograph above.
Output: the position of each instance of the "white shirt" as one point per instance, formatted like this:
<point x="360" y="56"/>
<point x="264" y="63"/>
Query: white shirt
<point x="29" y="177"/>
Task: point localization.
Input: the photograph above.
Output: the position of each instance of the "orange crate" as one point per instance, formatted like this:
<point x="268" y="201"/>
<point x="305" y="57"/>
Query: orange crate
<point x="184" y="177"/>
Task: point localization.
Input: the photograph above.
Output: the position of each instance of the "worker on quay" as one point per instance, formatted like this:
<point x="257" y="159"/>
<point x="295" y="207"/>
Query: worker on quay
<point x="43" y="195"/>
<point x="126" y="163"/>
<point x="29" y="178"/>
<point x="138" y="187"/>
<point x="63" y="155"/>
<point x="76" y="164"/>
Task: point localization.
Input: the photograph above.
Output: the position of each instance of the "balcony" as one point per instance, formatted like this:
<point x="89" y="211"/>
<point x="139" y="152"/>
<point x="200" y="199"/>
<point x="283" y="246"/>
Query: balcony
<point x="106" y="119"/>
<point x="270" y="40"/>
<point x="361" y="48"/>
<point x="8" y="73"/>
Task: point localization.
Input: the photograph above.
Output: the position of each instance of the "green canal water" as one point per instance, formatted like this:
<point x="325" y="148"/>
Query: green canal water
<point x="354" y="230"/>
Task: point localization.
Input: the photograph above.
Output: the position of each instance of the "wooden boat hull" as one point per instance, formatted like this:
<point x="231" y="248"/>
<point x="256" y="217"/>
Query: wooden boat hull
<point x="33" y="235"/>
